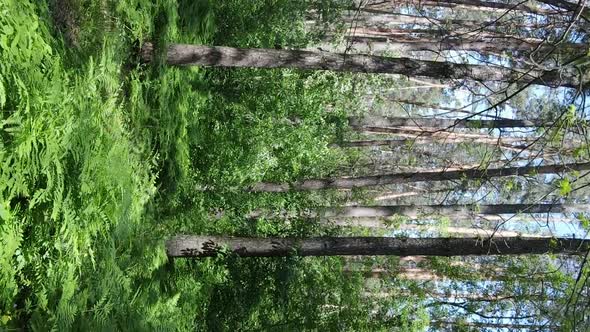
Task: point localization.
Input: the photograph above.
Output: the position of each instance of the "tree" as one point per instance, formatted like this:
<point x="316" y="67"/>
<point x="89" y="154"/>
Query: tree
<point x="382" y="19"/>
<point x="420" y="104"/>
<point x="377" y="121"/>
<point x="468" y="4"/>
<point x="418" y="136"/>
<point x="483" y="44"/>
<point x="422" y="229"/>
<point x="221" y="56"/>
<point x="509" y="143"/>
<point x="207" y="246"/>
<point x="396" y="178"/>
<point x="569" y="6"/>
<point x="451" y="210"/>
<point x="453" y="325"/>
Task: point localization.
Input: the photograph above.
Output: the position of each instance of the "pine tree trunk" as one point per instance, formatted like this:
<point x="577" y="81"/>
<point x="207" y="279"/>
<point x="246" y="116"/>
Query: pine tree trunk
<point x="454" y="231"/>
<point x="442" y="108"/>
<point x="377" y="121"/>
<point x="208" y="246"/>
<point x="221" y="56"/>
<point x="397" y="178"/>
<point x="387" y="19"/>
<point x="500" y="7"/>
<point x="509" y="143"/>
<point x="413" y="40"/>
<point x="450" y="210"/>
<point x="439" y="295"/>
<point x="413" y="211"/>
<point x="489" y="326"/>
<point x="380" y="20"/>
<point x="431" y="135"/>
<point x="573" y="7"/>
<point x="417" y="274"/>
<point x="380" y="142"/>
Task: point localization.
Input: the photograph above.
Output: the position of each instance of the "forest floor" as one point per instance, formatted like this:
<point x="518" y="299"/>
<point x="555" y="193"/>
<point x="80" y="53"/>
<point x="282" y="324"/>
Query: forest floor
<point x="103" y="157"/>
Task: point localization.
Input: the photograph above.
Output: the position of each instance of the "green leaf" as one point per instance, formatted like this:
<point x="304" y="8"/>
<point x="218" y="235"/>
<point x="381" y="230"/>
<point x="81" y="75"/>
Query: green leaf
<point x="584" y="220"/>
<point x="565" y="187"/>
<point x="476" y="124"/>
<point x="4" y="42"/>
<point x="571" y="109"/>
<point x="5" y="211"/>
<point x="8" y="30"/>
<point x="4" y="319"/>
<point x="2" y="93"/>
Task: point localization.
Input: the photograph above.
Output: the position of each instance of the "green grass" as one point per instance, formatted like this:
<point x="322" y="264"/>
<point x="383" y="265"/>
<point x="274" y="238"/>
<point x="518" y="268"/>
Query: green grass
<point x="101" y="157"/>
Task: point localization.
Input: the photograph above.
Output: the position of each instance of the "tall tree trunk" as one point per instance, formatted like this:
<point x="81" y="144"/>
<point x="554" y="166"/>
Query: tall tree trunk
<point x="430" y="135"/>
<point x="471" y="271"/>
<point x="442" y="108"/>
<point x="418" y="274"/>
<point x="482" y="45"/>
<point x="500" y="7"/>
<point x="487" y="273"/>
<point x="207" y="246"/>
<point x="434" y="34"/>
<point x="389" y="19"/>
<point x="508" y="143"/>
<point x="488" y="326"/>
<point x="569" y="6"/>
<point x="378" y="121"/>
<point x="395" y="19"/>
<point x="382" y="19"/>
<point x="437" y="34"/>
<point x="438" y="295"/>
<point x="397" y="178"/>
<point x="220" y="56"/>
<point x="421" y="210"/>
<point x="467" y="232"/>
<point x="420" y="39"/>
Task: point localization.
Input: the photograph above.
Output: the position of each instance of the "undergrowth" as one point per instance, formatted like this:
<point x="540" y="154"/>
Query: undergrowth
<point x="103" y="157"/>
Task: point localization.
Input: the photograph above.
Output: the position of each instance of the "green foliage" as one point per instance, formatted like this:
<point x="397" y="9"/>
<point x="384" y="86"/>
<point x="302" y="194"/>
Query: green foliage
<point x="100" y="158"/>
<point x="395" y="221"/>
<point x="584" y="220"/>
<point x="271" y="23"/>
<point x="565" y="187"/>
<point x="280" y="294"/>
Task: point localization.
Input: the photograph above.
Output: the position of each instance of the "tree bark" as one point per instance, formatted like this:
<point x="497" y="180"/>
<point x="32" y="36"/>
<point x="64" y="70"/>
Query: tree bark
<point x="482" y="45"/>
<point x="397" y="178"/>
<point x="501" y="142"/>
<point x="488" y="273"/>
<point x="208" y="246"/>
<point x="414" y="211"/>
<point x="466" y="4"/>
<point x="437" y="295"/>
<point x="438" y="107"/>
<point x="493" y="326"/>
<point x="380" y="142"/>
<point x="430" y="135"/>
<point x="566" y="5"/>
<point x="458" y="232"/>
<point x="383" y="19"/>
<point x="377" y="121"/>
<point x="221" y="56"/>
<point x="450" y="210"/>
